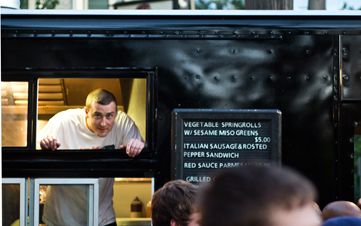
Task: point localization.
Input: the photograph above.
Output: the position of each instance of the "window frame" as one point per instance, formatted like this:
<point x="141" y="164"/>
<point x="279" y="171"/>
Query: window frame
<point x="19" y="161"/>
<point x="93" y="196"/>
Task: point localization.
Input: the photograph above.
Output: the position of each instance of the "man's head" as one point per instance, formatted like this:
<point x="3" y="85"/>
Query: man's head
<point x="175" y="204"/>
<point x="340" y="208"/>
<point x="101" y="110"/>
<point x="259" y="196"/>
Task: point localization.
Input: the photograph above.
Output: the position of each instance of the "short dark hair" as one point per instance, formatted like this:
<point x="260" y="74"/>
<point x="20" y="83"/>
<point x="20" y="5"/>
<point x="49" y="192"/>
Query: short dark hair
<point x="247" y="195"/>
<point x="100" y="96"/>
<point x="175" y="200"/>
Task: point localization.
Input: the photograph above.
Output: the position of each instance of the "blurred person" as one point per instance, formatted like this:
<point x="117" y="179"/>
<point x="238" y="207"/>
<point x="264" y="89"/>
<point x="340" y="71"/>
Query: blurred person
<point x="97" y="125"/>
<point x="259" y="196"/>
<point x="343" y="221"/>
<point x="317" y="208"/>
<point x="359" y="202"/>
<point x="340" y="208"/>
<point x="175" y="204"/>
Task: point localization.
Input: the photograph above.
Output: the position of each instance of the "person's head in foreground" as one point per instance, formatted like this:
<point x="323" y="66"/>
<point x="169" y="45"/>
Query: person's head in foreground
<point x="340" y="208"/>
<point x="174" y="204"/>
<point x="259" y="196"/>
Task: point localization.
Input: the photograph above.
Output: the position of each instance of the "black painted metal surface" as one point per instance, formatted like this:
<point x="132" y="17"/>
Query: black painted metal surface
<point x="281" y="63"/>
<point x="351" y="68"/>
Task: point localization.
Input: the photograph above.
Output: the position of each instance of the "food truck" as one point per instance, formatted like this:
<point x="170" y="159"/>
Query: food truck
<point x="207" y="89"/>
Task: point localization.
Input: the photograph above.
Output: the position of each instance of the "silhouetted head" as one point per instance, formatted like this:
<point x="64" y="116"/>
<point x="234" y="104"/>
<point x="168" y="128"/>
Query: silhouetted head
<point x="259" y="196"/>
<point x="340" y="208"/>
<point x="175" y="204"/>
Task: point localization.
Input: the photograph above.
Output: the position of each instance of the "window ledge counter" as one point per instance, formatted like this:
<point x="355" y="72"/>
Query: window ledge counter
<point x="133" y="221"/>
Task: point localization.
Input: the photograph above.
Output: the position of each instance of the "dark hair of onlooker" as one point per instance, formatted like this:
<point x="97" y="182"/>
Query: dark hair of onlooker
<point x="174" y="201"/>
<point x="247" y="196"/>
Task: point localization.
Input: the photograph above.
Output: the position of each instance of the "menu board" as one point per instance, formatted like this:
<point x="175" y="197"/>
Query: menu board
<point x="206" y="140"/>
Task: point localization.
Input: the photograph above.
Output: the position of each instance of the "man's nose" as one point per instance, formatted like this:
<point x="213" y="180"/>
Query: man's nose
<point x="103" y="122"/>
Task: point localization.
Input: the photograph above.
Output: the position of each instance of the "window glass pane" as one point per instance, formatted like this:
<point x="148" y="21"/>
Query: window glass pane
<point x="59" y="94"/>
<point x="132" y="201"/>
<point x="14" y="113"/>
<point x="10" y="204"/>
<point x="64" y="204"/>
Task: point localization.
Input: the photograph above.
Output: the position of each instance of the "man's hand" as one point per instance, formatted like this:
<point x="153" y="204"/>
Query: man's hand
<point x="133" y="148"/>
<point x="49" y="143"/>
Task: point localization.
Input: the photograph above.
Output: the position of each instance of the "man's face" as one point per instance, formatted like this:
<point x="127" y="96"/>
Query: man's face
<point x="100" y="118"/>
<point x="303" y="216"/>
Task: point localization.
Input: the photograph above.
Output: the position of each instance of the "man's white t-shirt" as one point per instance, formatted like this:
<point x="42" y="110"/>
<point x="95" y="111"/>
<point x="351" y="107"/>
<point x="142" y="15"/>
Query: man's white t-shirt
<point x="66" y="205"/>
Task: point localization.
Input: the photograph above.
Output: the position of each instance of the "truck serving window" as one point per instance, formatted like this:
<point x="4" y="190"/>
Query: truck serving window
<point x="59" y="94"/>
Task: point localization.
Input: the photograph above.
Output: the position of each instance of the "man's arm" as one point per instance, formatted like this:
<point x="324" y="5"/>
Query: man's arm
<point x="49" y="143"/>
<point x="49" y="136"/>
<point x="134" y="147"/>
<point x="131" y="139"/>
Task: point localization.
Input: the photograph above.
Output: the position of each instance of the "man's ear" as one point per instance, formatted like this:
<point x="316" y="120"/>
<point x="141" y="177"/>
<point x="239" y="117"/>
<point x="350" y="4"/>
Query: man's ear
<point x="173" y="222"/>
